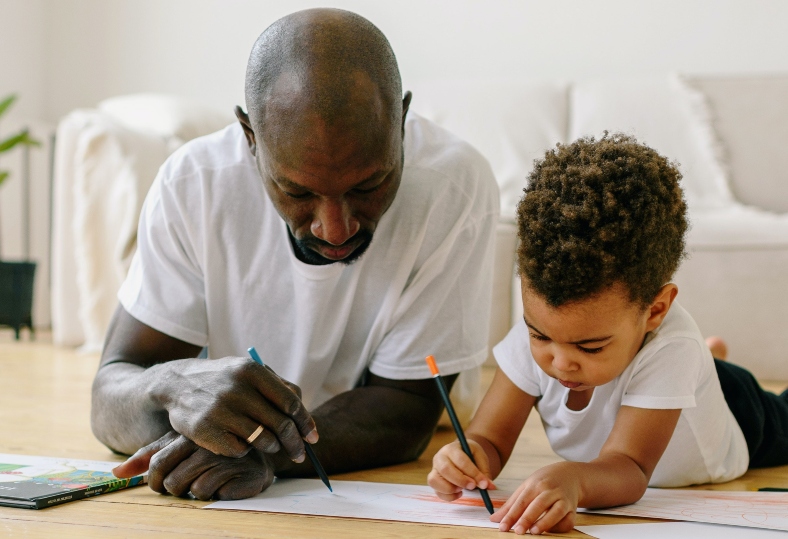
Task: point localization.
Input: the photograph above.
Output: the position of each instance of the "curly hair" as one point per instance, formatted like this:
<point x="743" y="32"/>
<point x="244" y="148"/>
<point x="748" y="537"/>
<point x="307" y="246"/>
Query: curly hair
<point x="597" y="213"/>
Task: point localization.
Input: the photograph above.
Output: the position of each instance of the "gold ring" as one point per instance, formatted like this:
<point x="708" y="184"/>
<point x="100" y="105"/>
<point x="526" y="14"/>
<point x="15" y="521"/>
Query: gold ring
<point x="255" y="434"/>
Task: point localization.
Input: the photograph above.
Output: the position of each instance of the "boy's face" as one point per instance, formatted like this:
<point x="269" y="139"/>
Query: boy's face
<point x="590" y="342"/>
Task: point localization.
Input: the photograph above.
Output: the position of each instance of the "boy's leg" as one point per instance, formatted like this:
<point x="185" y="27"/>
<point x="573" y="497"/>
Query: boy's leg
<point x="762" y="416"/>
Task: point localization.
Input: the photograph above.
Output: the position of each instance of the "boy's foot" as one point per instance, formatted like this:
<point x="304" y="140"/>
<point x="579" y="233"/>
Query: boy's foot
<point x="718" y="347"/>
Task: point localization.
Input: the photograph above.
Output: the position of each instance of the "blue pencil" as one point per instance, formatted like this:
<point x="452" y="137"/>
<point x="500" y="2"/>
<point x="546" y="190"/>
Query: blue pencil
<point x="308" y="448"/>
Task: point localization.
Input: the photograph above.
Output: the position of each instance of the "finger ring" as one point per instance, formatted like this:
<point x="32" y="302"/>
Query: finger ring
<point x="255" y="434"/>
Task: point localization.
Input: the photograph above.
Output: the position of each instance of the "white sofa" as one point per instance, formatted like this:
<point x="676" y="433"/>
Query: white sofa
<point x="728" y="134"/>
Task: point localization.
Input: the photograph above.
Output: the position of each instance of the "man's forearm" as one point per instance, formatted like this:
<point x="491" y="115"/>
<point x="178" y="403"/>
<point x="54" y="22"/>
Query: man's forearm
<point x="368" y="427"/>
<point x="124" y="414"/>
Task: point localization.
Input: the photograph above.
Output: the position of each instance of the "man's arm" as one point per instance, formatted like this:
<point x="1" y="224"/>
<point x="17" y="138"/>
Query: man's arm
<point x="384" y="422"/>
<point x="124" y="415"/>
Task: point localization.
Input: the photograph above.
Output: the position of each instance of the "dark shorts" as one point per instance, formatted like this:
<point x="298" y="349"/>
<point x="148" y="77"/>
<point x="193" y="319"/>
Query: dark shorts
<point x="762" y="416"/>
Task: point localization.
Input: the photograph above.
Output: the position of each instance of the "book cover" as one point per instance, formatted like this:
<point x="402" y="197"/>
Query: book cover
<point x="38" y="482"/>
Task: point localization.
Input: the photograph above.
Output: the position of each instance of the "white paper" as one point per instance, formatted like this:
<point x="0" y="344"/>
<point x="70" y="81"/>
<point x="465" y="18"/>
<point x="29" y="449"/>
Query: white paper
<point x="768" y="510"/>
<point x="377" y="501"/>
<point x="678" y="530"/>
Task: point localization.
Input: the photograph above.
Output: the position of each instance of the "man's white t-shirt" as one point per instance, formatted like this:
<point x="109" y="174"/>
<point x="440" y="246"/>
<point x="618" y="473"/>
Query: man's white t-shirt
<point x="674" y="369"/>
<point x="215" y="267"/>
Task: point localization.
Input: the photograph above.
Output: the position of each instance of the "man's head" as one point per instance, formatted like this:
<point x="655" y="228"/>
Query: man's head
<point x="326" y="125"/>
<point x="601" y="228"/>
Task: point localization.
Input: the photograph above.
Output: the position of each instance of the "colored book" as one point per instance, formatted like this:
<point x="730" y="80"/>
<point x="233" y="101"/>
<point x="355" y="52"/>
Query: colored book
<point x="38" y="482"/>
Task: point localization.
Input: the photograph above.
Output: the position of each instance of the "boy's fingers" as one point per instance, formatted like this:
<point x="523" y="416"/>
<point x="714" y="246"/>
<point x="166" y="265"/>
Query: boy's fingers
<point x="566" y="524"/>
<point x="500" y="513"/>
<point x="550" y="519"/>
<point x="465" y="465"/>
<point x="451" y="473"/>
<point x="443" y="487"/>
<point x="538" y="506"/>
<point x="517" y="506"/>
<point x="448" y="497"/>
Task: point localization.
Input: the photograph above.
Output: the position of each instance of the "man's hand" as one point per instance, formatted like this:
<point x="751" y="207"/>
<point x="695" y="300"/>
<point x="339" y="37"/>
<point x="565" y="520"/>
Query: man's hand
<point x="219" y="403"/>
<point x="143" y="390"/>
<point x="546" y="501"/>
<point x="452" y="471"/>
<point x="178" y="466"/>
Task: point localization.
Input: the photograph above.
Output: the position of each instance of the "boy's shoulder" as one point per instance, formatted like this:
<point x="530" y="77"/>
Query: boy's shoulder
<point x="678" y="324"/>
<point x="676" y="346"/>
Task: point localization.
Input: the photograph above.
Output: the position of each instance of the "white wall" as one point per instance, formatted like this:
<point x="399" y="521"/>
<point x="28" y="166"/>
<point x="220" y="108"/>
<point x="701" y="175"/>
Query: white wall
<point x="199" y="48"/>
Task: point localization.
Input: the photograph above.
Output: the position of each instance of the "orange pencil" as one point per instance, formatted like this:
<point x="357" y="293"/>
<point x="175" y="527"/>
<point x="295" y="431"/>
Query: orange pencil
<point x="456" y="424"/>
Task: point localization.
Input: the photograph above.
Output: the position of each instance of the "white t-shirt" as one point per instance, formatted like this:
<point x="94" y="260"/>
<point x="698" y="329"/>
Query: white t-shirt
<point x="673" y="370"/>
<point x="215" y="267"/>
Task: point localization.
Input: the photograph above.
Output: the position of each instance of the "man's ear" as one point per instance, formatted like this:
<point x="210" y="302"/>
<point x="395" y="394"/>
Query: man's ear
<point x="246" y="124"/>
<point x="661" y="305"/>
<point x="405" y="108"/>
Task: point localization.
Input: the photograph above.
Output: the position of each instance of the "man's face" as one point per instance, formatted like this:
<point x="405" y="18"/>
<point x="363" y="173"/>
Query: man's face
<point x="330" y="182"/>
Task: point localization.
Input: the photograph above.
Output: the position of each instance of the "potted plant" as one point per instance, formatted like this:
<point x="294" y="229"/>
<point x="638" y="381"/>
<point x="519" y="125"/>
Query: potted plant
<point x="16" y="278"/>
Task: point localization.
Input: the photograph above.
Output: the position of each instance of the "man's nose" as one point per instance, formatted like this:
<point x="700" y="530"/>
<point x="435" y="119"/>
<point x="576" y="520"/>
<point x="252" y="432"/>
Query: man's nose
<point x="334" y="222"/>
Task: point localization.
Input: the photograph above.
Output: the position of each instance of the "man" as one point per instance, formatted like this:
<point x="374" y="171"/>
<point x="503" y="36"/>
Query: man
<point x="341" y="240"/>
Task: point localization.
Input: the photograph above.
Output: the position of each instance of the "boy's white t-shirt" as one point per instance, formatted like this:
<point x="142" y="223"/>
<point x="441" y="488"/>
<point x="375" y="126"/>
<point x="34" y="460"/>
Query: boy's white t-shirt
<point x="673" y="370"/>
<point x="215" y="267"/>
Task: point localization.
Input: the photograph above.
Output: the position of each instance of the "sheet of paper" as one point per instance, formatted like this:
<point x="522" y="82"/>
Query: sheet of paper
<point x="378" y="501"/>
<point x="678" y="530"/>
<point x="768" y="510"/>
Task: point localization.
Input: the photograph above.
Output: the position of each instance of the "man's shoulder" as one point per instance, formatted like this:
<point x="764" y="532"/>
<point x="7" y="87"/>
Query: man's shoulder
<point x="429" y="145"/>
<point x="209" y="155"/>
<point x="436" y="159"/>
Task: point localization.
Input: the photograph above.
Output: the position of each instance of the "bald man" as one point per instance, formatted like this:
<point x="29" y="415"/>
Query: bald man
<point x="342" y="239"/>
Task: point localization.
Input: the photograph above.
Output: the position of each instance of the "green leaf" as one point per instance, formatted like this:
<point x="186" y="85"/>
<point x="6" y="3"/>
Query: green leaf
<point x="3" y="176"/>
<point x="7" y="102"/>
<point x="22" y="137"/>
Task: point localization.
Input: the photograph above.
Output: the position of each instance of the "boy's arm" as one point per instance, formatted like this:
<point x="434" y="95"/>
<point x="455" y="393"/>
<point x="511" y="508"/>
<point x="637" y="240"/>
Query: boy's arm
<point x="498" y="421"/>
<point x="619" y="476"/>
<point x="621" y="473"/>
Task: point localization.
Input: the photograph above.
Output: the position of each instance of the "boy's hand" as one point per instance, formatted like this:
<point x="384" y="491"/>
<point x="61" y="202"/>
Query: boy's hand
<point x="551" y="493"/>
<point x="453" y="471"/>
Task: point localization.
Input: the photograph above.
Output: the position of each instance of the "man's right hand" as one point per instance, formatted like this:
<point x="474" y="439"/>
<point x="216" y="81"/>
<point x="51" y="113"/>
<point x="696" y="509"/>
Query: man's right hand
<point x="220" y="403"/>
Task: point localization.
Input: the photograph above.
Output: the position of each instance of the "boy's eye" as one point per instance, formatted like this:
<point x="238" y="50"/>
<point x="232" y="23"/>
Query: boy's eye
<point x="591" y="350"/>
<point x="539" y="337"/>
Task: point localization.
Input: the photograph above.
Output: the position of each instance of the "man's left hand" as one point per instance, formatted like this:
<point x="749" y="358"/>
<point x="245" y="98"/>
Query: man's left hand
<point x="178" y="466"/>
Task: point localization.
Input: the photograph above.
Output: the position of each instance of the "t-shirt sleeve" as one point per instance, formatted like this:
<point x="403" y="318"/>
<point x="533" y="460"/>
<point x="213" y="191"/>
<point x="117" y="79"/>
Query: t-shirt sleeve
<point x="164" y="288"/>
<point x="513" y="355"/>
<point x="445" y="309"/>
<point x="668" y="378"/>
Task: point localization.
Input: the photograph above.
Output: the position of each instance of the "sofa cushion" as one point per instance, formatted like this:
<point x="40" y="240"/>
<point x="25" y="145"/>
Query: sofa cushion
<point x="664" y="113"/>
<point x="750" y="114"/>
<point x="738" y="227"/>
<point x="510" y="122"/>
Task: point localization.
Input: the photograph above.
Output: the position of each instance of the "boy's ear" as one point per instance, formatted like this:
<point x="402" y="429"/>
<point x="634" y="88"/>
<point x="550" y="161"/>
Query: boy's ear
<point x="661" y="305"/>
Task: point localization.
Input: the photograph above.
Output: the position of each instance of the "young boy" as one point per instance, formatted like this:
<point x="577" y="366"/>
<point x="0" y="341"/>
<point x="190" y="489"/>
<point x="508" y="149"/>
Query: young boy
<point x="627" y="390"/>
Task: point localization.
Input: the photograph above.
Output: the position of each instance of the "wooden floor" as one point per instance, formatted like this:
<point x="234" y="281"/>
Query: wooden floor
<point x="44" y="407"/>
